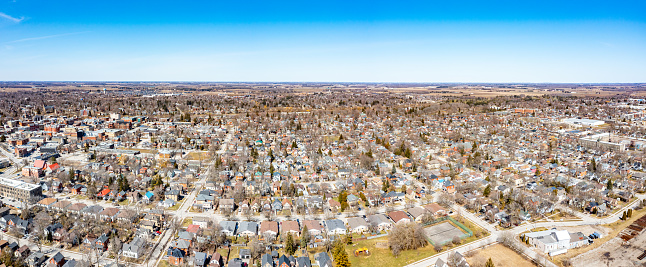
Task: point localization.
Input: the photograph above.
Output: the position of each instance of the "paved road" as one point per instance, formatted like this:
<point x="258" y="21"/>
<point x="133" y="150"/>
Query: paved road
<point x="530" y="253"/>
<point x="183" y="211"/>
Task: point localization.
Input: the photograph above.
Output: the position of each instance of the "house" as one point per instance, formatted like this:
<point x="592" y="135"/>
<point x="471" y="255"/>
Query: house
<point x="399" y="216"/>
<point x="167" y="203"/>
<point x="109" y="214"/>
<point x="58" y="259"/>
<point x="228" y="227"/>
<point x="555" y="242"/>
<point x="175" y="256"/>
<point x="313" y="226"/>
<point x="247" y="228"/>
<point x="203" y="222"/>
<point x="357" y="225"/>
<point x="36" y="259"/>
<point x="417" y="213"/>
<point x="134" y="249"/>
<point x="284" y="261"/>
<point x="101" y="242"/>
<point x="148" y="197"/>
<point x="381" y="222"/>
<point x="227" y="205"/>
<point x="323" y="259"/>
<point x="459" y="260"/>
<point x="435" y="209"/>
<point x="440" y="263"/>
<point x="290" y="227"/>
<point x="216" y="260"/>
<point x="71" y="263"/>
<point x="269" y="229"/>
<point x="199" y="259"/>
<point x="303" y="262"/>
<point x="335" y="227"/>
<point x="22" y="252"/>
<point x="266" y="260"/>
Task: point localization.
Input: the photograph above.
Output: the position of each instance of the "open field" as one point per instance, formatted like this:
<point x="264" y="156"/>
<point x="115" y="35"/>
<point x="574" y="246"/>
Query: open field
<point x="197" y="156"/>
<point x="500" y="255"/>
<point x="383" y="256"/>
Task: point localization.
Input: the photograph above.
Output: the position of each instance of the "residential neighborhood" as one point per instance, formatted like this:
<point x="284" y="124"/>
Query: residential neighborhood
<point x="327" y="177"/>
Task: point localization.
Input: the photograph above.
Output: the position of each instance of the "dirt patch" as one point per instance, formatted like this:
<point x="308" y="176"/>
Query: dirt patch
<point x="500" y="255"/>
<point x="612" y="253"/>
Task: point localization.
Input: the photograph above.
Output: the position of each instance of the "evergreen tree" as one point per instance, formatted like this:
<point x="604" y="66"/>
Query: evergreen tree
<point x="489" y="263"/>
<point x="305" y="237"/>
<point x="290" y="247"/>
<point x="609" y="185"/>
<point x="629" y="213"/>
<point x="487" y="191"/>
<point x="340" y="255"/>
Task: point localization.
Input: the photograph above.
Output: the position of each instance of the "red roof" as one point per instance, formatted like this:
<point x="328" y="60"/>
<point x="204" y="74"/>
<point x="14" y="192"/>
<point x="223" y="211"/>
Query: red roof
<point x="193" y="228"/>
<point x="54" y="166"/>
<point x="40" y="164"/>
<point x="104" y="192"/>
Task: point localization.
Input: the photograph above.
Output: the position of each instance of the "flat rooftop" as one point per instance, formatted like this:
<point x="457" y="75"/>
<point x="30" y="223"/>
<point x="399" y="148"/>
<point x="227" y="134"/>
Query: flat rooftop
<point x="18" y="184"/>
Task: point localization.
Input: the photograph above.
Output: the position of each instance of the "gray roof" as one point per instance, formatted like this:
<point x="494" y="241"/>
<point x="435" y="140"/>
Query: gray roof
<point x="334" y="224"/>
<point x="229" y="226"/>
<point x="248" y="226"/>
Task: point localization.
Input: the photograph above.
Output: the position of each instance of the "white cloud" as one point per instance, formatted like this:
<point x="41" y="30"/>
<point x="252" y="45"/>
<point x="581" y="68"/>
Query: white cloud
<point x="44" y="37"/>
<point x="16" y="20"/>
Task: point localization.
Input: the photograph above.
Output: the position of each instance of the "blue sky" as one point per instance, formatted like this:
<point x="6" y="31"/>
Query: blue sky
<point x="344" y="41"/>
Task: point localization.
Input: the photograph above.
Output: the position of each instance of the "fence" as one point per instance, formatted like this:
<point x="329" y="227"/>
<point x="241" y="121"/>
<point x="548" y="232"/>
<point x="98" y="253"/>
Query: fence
<point x="466" y="230"/>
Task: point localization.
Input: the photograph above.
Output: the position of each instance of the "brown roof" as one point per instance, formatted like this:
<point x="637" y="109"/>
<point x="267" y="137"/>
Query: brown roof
<point x="76" y="207"/>
<point x="47" y="201"/>
<point x="268" y="226"/>
<point x="126" y="214"/>
<point x="109" y="212"/>
<point x="62" y="204"/>
<point x="434" y="207"/>
<point x="313" y="225"/>
<point x="398" y="215"/>
<point x="288" y="226"/>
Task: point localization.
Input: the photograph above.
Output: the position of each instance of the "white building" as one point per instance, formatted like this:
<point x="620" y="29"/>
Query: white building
<point x="556" y="242"/>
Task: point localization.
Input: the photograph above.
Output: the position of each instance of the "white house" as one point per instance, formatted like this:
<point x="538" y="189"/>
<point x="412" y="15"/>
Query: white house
<point x="335" y="227"/>
<point x="134" y="249"/>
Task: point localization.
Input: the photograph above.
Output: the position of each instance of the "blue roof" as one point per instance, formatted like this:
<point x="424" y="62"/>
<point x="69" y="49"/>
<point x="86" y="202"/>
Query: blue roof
<point x="149" y="194"/>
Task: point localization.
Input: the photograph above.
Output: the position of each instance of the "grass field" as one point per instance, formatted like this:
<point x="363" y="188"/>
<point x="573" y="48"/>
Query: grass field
<point x="383" y="256"/>
<point x="500" y="255"/>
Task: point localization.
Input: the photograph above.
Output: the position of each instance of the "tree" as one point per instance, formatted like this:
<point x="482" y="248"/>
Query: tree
<point x="487" y="191"/>
<point x="393" y="170"/>
<point x="489" y="263"/>
<point x="629" y="213"/>
<point x="290" y="246"/>
<point x="305" y="237"/>
<point x="406" y="236"/>
<point x="609" y="185"/>
<point x="343" y="200"/>
<point x="340" y="255"/>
